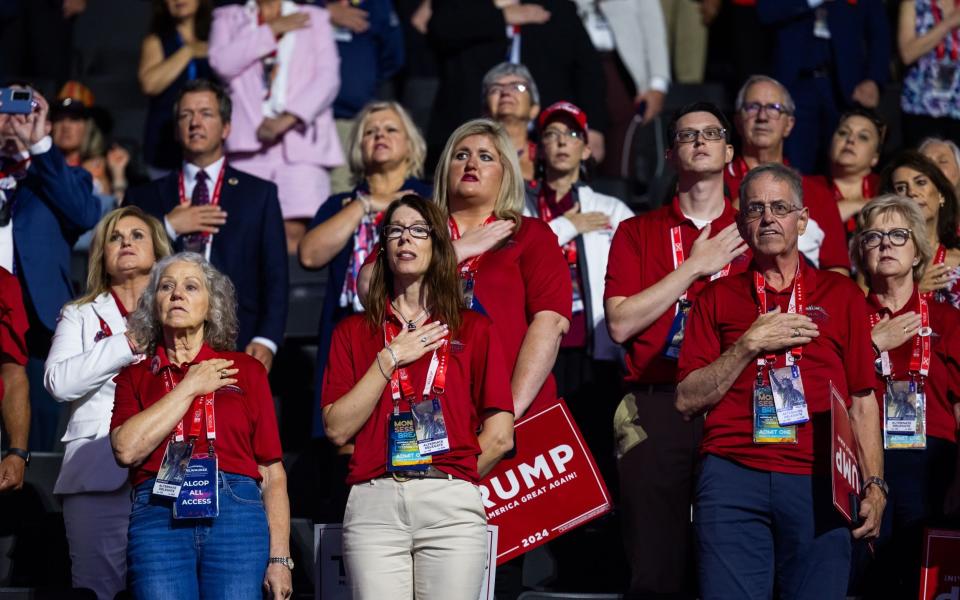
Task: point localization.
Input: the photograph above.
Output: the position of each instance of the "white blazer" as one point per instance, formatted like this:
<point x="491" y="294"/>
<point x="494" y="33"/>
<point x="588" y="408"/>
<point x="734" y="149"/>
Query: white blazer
<point x="596" y="249"/>
<point x="80" y="370"/>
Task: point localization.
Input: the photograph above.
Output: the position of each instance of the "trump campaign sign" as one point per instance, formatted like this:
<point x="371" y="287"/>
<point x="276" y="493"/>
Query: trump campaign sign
<point x="550" y="486"/>
<point x="846" y="468"/>
<point x="940" y="568"/>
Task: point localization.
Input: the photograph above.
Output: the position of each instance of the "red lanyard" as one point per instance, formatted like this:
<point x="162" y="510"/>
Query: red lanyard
<point x="676" y="243"/>
<point x="470" y="265"/>
<point x="16" y="168"/>
<point x="941" y="47"/>
<point x="738" y="167"/>
<point x="105" y="330"/>
<point x="215" y="198"/>
<point x="941" y="255"/>
<point x="866" y="190"/>
<point x="400" y="386"/>
<point x="546" y="215"/>
<point x="202" y="406"/>
<point x="921" y="354"/>
<point x="796" y="305"/>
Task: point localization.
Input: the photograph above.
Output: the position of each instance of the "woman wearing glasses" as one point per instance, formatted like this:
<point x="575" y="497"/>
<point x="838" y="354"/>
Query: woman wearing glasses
<point x="918" y="352"/>
<point x="412" y="380"/>
<point x="914" y="176"/>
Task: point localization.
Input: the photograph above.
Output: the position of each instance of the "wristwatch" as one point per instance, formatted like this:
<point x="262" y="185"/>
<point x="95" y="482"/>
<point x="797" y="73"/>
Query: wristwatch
<point x="282" y="560"/>
<point x="24" y="454"/>
<point x="880" y="483"/>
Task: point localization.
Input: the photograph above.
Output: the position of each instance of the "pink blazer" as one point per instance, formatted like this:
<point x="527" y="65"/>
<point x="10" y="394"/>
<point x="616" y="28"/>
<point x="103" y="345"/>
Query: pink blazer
<point x="237" y="44"/>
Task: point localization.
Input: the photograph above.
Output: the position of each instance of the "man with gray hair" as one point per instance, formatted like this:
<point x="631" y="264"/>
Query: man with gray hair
<point x="511" y="98"/>
<point x="763" y="509"/>
<point x="764" y="118"/>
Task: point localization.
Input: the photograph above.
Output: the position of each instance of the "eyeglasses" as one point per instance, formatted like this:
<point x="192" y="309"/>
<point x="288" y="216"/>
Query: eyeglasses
<point x="710" y="134"/>
<point x="417" y="230"/>
<point x="755" y="210"/>
<point x="871" y="238"/>
<point x="774" y="110"/>
<point x="513" y="86"/>
<point x="553" y="136"/>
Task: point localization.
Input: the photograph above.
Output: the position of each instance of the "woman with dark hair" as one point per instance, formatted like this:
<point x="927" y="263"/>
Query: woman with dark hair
<point x="173" y="52"/>
<point x="89" y="348"/>
<point x="195" y="424"/>
<point x="915" y="176"/>
<point x="411" y="381"/>
<point x="854" y="152"/>
<point x="917" y="397"/>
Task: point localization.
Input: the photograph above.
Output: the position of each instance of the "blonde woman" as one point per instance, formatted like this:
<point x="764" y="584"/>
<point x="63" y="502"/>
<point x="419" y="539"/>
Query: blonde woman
<point x="89" y="348"/>
<point x="521" y="281"/>
<point x="386" y="156"/>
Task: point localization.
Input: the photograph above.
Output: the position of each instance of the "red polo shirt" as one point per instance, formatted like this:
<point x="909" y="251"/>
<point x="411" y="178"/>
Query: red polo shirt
<point x="842" y="354"/>
<point x="819" y="199"/>
<point x="477" y="381"/>
<point x="247" y="433"/>
<point x="943" y="382"/>
<point x="13" y="322"/>
<point x="640" y="256"/>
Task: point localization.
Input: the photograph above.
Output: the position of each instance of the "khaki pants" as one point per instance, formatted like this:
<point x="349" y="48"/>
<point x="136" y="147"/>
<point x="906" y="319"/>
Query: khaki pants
<point x="341" y="179"/>
<point x="423" y="539"/>
<point x="687" y="37"/>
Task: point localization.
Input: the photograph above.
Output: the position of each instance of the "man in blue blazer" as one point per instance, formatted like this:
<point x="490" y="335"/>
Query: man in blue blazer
<point x="830" y="54"/>
<point x="229" y="216"/>
<point x="45" y="206"/>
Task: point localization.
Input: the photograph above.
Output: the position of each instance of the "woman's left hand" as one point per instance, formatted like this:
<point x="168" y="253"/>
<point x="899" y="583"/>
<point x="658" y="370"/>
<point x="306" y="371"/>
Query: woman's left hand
<point x="278" y="582"/>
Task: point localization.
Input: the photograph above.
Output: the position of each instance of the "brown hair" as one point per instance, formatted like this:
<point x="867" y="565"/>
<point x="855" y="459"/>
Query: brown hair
<point x="440" y="280"/>
<point x="98" y="281"/>
<point x="947" y="215"/>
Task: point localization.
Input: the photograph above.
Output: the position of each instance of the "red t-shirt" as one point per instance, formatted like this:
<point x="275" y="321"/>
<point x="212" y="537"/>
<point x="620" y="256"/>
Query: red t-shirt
<point x="942" y="385"/>
<point x="477" y="381"/>
<point x="842" y="354"/>
<point x="526" y="275"/>
<point x="640" y="256"/>
<point x="819" y="199"/>
<point x="247" y="433"/>
<point x="869" y="188"/>
<point x="13" y="322"/>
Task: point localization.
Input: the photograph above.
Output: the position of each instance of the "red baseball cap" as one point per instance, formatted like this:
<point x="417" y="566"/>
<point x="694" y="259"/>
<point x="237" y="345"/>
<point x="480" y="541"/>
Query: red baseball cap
<point x="564" y="108"/>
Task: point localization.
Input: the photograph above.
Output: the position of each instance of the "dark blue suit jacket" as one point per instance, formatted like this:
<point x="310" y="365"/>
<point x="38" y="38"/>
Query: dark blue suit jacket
<point x="859" y="40"/>
<point x="52" y="206"/>
<point x="251" y="248"/>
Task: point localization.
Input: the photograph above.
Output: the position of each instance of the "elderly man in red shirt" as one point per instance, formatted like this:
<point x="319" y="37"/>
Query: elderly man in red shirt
<point x="764" y="119"/>
<point x="763" y="348"/>
<point x="658" y="264"/>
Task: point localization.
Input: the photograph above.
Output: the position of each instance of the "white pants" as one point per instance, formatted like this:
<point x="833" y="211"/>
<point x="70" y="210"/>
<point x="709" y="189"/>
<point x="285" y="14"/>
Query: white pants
<point x="96" y="526"/>
<point x="423" y="539"/>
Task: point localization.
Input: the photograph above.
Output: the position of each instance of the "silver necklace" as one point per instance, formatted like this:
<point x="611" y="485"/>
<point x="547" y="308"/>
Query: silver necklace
<point x="411" y="323"/>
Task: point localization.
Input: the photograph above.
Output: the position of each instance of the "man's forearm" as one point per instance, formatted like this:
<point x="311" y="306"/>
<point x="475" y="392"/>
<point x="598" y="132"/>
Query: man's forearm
<point x="705" y="387"/>
<point x="631" y="315"/>
<point x="16" y="404"/>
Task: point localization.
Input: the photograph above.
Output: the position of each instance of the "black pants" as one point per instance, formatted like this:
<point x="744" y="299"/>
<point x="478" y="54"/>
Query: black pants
<point x="657" y="479"/>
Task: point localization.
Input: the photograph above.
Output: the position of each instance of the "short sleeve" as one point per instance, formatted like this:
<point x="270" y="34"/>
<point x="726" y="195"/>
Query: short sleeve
<point x="340" y="375"/>
<point x="701" y="342"/>
<point x="491" y="389"/>
<point x="858" y="355"/>
<point x="546" y="276"/>
<point x="13" y="321"/>
<point x="126" y="400"/>
<point x="266" y="434"/>
<point x="624" y="277"/>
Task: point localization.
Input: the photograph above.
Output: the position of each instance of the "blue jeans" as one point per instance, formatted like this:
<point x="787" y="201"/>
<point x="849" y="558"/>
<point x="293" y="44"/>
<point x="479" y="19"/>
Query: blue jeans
<point x="757" y="530"/>
<point x="225" y="557"/>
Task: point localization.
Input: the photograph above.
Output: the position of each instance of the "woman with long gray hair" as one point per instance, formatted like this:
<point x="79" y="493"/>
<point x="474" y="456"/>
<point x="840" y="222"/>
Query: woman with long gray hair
<point x="195" y="425"/>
